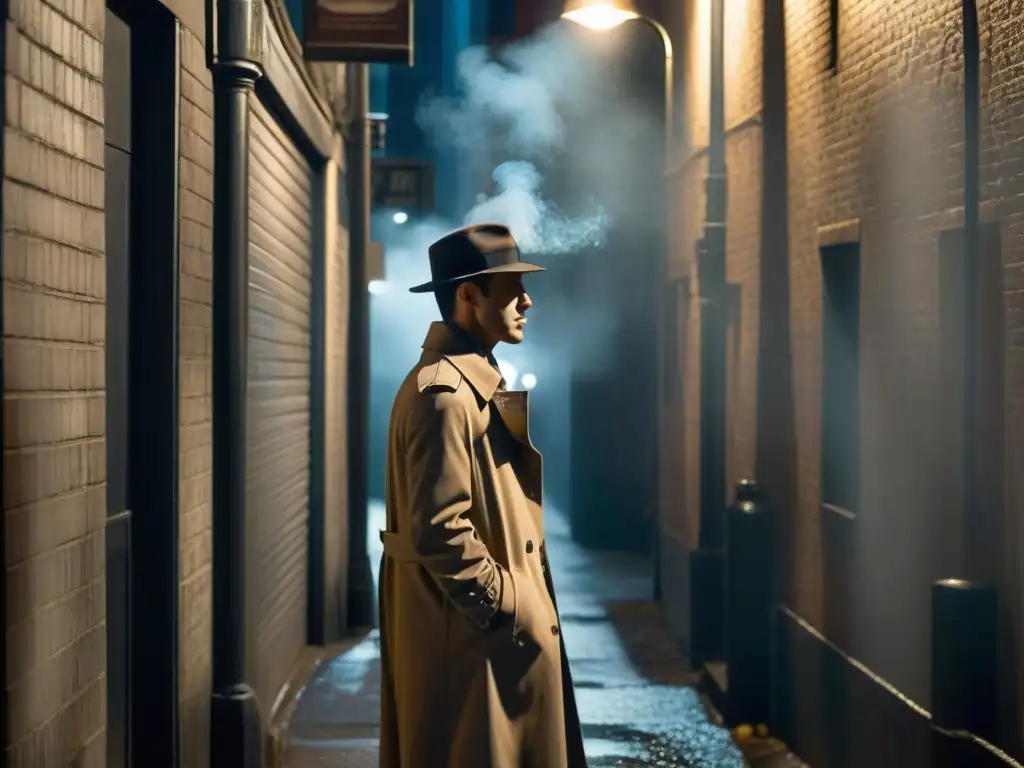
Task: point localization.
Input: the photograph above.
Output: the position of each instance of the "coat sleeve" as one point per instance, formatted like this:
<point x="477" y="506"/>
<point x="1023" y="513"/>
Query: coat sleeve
<point x="439" y="462"/>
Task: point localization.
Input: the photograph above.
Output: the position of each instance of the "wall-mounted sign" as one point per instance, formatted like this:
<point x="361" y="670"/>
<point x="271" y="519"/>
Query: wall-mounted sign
<point x="405" y="184"/>
<point x="369" y="31"/>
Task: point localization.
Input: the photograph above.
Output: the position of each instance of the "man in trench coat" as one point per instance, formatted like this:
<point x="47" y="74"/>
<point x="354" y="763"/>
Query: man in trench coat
<point x="474" y="671"/>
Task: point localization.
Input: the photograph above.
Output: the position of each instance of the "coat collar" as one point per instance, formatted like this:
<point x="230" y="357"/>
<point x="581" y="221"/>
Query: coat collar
<point x="461" y="350"/>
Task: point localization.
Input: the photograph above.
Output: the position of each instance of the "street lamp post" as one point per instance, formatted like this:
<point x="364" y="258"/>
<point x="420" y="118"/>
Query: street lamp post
<point x="600" y="17"/>
<point x="707" y="562"/>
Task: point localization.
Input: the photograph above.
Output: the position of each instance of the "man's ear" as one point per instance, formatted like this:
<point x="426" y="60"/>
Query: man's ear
<point x="468" y="293"/>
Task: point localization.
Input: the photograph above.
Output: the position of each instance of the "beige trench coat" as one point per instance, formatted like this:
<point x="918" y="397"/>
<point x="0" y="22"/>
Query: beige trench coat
<point x="474" y="671"/>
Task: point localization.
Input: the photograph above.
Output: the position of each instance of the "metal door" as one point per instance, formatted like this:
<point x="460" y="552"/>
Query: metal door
<point x="280" y="253"/>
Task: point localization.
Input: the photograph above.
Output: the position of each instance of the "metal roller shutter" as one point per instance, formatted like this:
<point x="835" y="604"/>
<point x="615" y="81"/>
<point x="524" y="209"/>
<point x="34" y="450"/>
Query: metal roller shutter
<point x="280" y="204"/>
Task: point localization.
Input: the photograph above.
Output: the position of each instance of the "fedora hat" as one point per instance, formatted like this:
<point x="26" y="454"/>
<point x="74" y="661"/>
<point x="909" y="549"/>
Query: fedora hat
<point x="482" y="249"/>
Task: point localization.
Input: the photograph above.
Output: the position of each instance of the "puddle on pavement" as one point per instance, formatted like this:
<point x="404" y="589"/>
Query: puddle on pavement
<point x="691" y="746"/>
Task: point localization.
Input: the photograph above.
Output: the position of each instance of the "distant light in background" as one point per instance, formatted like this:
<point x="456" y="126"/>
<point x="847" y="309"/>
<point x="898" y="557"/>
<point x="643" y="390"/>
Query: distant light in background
<point x="599" y="16"/>
<point x="400" y="218"/>
<point x="509" y="372"/>
<point x="377" y="287"/>
<point x="529" y="381"/>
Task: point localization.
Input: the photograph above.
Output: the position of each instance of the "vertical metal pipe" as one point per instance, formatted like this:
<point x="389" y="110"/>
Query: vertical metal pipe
<point x="236" y="739"/>
<point x="360" y="577"/>
<point x="711" y="271"/>
<point x="661" y="271"/>
<point x="972" y="162"/>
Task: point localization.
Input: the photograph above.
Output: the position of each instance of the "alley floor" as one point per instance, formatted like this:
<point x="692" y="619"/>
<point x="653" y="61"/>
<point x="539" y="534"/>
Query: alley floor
<point x="636" y="695"/>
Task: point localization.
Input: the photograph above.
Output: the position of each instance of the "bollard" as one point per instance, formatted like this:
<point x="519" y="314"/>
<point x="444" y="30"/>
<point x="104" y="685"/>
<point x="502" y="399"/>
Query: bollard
<point x="749" y="600"/>
<point x="965" y="621"/>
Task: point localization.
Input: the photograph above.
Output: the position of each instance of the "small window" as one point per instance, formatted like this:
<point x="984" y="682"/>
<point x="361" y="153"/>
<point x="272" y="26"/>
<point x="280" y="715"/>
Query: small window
<point x="840" y="428"/>
<point x="833" y="36"/>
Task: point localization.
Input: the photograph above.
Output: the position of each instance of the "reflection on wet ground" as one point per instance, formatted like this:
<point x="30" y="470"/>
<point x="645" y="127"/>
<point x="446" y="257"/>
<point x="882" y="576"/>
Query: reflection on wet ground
<point x="635" y="692"/>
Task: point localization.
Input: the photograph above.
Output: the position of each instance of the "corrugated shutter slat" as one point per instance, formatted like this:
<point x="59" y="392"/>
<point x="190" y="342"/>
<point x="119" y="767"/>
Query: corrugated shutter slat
<point x="280" y="186"/>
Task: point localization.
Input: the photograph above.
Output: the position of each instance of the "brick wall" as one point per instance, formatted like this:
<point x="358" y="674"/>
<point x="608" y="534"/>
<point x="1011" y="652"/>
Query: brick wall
<point x="878" y="141"/>
<point x="1003" y="181"/>
<point x="54" y="452"/>
<point x="742" y="109"/>
<point x="196" y="354"/>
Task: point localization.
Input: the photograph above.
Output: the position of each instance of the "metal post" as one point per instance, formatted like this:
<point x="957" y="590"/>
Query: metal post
<point x="236" y="738"/>
<point x="749" y="587"/>
<point x="974" y="549"/>
<point x="661" y="272"/>
<point x="965" y="649"/>
<point x="361" y="600"/>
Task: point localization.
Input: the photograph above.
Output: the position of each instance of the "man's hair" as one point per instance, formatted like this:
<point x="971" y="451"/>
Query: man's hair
<point x="445" y="294"/>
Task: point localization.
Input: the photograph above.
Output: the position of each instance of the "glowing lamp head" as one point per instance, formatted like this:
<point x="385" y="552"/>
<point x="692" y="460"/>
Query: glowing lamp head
<point x="529" y="381"/>
<point x="400" y="217"/>
<point x="599" y="15"/>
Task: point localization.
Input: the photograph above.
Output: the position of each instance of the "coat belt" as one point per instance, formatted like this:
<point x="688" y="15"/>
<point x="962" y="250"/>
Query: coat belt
<point x="398" y="548"/>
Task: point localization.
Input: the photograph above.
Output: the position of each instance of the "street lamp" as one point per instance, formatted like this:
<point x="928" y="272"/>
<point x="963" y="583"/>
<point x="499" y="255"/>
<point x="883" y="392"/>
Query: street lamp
<point x="601" y="16"/>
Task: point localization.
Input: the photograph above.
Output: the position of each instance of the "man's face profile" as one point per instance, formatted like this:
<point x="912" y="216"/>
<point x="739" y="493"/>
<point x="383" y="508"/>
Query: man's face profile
<point x="500" y="311"/>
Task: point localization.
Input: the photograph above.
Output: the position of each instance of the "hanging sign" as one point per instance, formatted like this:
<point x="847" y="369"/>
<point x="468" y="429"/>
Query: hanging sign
<point x="367" y="31"/>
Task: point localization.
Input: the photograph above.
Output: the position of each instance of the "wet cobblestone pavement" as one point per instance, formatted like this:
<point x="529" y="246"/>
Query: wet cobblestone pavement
<point x="636" y="695"/>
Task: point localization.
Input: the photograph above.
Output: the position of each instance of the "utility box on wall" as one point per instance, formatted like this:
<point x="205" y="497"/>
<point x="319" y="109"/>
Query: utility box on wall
<point x="403" y="183"/>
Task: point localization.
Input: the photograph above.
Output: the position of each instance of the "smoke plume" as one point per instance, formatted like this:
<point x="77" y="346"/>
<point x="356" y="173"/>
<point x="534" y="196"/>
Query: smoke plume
<point x="563" y="146"/>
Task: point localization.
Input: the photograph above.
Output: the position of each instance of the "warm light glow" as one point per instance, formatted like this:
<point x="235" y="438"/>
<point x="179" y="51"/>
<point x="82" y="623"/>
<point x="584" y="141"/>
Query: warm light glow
<point x="529" y="381"/>
<point x="600" y="17"/>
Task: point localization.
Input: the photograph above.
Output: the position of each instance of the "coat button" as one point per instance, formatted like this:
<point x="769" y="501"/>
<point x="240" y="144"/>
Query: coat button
<point x="529" y="547"/>
<point x="554" y="631"/>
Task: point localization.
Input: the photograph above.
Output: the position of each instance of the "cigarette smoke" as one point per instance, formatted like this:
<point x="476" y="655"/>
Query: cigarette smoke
<point x="540" y="113"/>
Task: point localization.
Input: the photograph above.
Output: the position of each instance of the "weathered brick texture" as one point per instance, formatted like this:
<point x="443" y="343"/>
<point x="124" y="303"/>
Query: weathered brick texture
<point x="879" y="141"/>
<point x="742" y="114"/>
<point x="196" y="436"/>
<point x="54" y="282"/>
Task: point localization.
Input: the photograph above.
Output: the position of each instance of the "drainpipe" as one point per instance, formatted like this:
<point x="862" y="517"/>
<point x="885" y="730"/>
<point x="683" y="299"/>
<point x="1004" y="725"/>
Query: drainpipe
<point x="972" y="175"/>
<point x="711" y="272"/>
<point x="361" y="600"/>
<point x="707" y="561"/>
<point x="236" y="738"/>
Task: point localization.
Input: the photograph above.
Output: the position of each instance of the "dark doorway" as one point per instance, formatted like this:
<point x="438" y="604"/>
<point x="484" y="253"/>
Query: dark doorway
<point x="141" y="125"/>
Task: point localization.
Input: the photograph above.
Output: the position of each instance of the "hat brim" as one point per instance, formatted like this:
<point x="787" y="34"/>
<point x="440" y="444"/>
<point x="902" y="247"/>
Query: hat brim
<point x="518" y="266"/>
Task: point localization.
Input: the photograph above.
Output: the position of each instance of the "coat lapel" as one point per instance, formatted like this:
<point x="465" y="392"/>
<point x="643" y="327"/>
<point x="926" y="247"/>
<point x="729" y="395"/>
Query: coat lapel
<point x="514" y="409"/>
